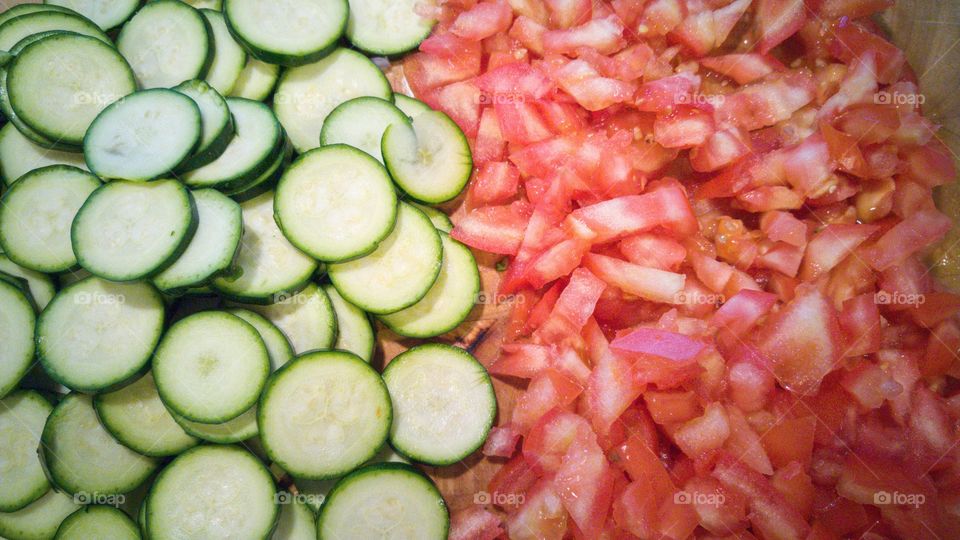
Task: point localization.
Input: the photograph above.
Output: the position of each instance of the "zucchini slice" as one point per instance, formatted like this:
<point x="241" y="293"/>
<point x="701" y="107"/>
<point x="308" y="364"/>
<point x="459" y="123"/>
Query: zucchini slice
<point x="360" y="123"/>
<point x="287" y="33"/>
<point x="37" y="212"/>
<point x="213" y="247"/>
<point x="210" y="367"/>
<point x="440" y="220"/>
<point x="26" y="9"/>
<point x="235" y="491"/>
<point x="96" y="334"/>
<point x="59" y="84"/>
<point x="412" y="107"/>
<point x="136" y="417"/>
<point x="130" y="230"/>
<point x="399" y="272"/>
<point x="323" y="414"/>
<point x="143" y="136"/>
<point x="278" y="347"/>
<point x="40" y="520"/>
<point x="449" y="301"/>
<point x="307" y="94"/>
<point x="20" y="155"/>
<point x="98" y="521"/>
<point x="354" y="332"/>
<point x="297" y="520"/>
<point x="22" y="416"/>
<point x="166" y="42"/>
<point x="269" y="266"/>
<point x="389" y="27"/>
<point x="46" y="20"/>
<point x="306" y="318"/>
<point x="234" y="430"/>
<point x="41" y="287"/>
<point x="82" y="457"/>
<point x="444" y="403"/>
<point x="256" y="81"/>
<point x="216" y="123"/>
<point x="391" y="497"/>
<point x="107" y="14"/>
<point x="229" y="58"/>
<point x="335" y="203"/>
<point x="430" y="159"/>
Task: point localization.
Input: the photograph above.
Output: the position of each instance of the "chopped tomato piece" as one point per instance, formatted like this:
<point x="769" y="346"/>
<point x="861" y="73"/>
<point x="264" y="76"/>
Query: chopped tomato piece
<point x="603" y="35"/>
<point x="541" y="517"/>
<point x="502" y="442"/>
<point x="777" y="20"/>
<point x="496" y="182"/>
<point x="743" y="68"/>
<point x="474" y="523"/>
<point x="909" y="236"/>
<point x="483" y="20"/>
<point x="498" y="229"/>
<point x="830" y="246"/>
<point x="649" y="283"/>
<point x="549" y="389"/>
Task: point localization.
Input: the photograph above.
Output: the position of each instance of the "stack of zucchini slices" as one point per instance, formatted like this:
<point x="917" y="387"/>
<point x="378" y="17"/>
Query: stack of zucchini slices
<point x="208" y="208"/>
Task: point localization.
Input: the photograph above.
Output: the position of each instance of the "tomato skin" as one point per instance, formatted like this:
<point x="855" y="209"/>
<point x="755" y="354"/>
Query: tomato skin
<point x="912" y="234"/>
<point x="474" y="524"/>
<point x="483" y="20"/>
<point x="649" y="283"/>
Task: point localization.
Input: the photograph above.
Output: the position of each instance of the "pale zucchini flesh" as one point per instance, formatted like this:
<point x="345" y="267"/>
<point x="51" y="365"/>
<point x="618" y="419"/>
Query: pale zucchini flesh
<point x="216" y="123"/>
<point x="107" y="14"/>
<point x="389" y="27"/>
<point x="229" y="58"/>
<point x="98" y="521"/>
<point x="39" y="520"/>
<point x="360" y="123"/>
<point x="22" y="416"/>
<point x="45" y="21"/>
<point x="234" y="430"/>
<point x="306" y="318"/>
<point x="20" y="155"/>
<point x="17" y="323"/>
<point x="257" y="80"/>
<point x="288" y="32"/>
<point x="41" y="286"/>
<point x="354" y="331"/>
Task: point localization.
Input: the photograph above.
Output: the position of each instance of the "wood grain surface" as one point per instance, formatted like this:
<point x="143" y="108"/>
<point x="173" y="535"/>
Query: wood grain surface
<point x="929" y="32"/>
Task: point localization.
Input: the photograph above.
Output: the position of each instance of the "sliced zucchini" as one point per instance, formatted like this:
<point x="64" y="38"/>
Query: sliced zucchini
<point x="307" y="94"/>
<point x="335" y="203"/>
<point x="449" y="301"/>
<point x="392" y="497"/>
<point x="354" y="331"/>
<point x="213" y="247"/>
<point x="269" y="266"/>
<point x="315" y="491"/>
<point x="229" y="58"/>
<point x="250" y="153"/>
<point x="17" y="324"/>
<point x="31" y="134"/>
<point x="40" y="520"/>
<point x="130" y="230"/>
<point x="210" y="367"/>
<point x="306" y="318"/>
<point x="37" y="212"/>
<point x="42" y="288"/>
<point x="360" y="123"/>
<point x="440" y="220"/>
<point x="107" y="14"/>
<point x="82" y="457"/>
<point x="136" y="417"/>
<point x="278" y="347"/>
<point x="26" y="9"/>
<point x="22" y="415"/>
<point x="235" y="489"/>
<point x="234" y="430"/>
<point x="412" y="107"/>
<point x="287" y="33"/>
<point x="257" y="80"/>
<point x="297" y="520"/>
<point x="166" y="42"/>
<point x="389" y="27"/>
<point x="59" y="84"/>
<point x="216" y="123"/>
<point x="46" y="20"/>
<point x="143" y="136"/>
<point x="96" y="334"/>
<point x="205" y="4"/>
<point x="266" y="181"/>
<point x="98" y="521"/>
<point x="20" y="155"/>
<point x="430" y="159"/>
<point x="401" y="270"/>
<point x="323" y="414"/>
<point x="444" y="403"/>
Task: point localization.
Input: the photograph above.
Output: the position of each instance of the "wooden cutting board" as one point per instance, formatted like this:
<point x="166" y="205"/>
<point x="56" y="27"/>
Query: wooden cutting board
<point x="929" y="32"/>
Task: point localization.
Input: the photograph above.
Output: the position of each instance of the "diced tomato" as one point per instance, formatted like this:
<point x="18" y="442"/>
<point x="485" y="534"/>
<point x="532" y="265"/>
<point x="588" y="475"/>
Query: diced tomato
<point x="483" y="20"/>
<point x="498" y="229"/>
<point x="750" y="383"/>
<point x="860" y="321"/>
<point x="662" y="16"/>
<point x="529" y="32"/>
<point x="802" y="340"/>
<point x="705" y="433"/>
<point x="426" y="71"/>
<point x="723" y="147"/>
<point x="610" y="390"/>
<point x="931" y="165"/>
<point x="520" y="122"/>
<point x="461" y="102"/>
<point x="667" y="207"/>
<point x="592" y="91"/>
<point x="768" y="101"/>
<point x="858" y="86"/>
<point x="777" y="20"/>
<point x="567" y="13"/>
<point x="909" y="236"/>
<point x="719" y="510"/>
<point x="474" y="523"/>
<point x="574" y="306"/>
<point x="502" y="442"/>
<point x="653" y="250"/>
<point x="670" y="407"/>
<point x="517" y="79"/>
<point x="830" y="246"/>
<point x="649" y="283"/>
<point x="853" y="9"/>
<point x="685" y="127"/>
<point x="703" y="31"/>
<point x="489" y="145"/>
<point x="853" y="41"/>
<point x="796" y="486"/>
<point x="547" y="443"/>
<point x="511" y="483"/>
<point x="668" y="92"/>
<point x="541" y="517"/>
<point x="770" y="512"/>
<point x="942" y="349"/>
<point x="743" y="68"/>
<point x="549" y="389"/>
<point x="496" y="182"/>
<point x="790" y="440"/>
<point x="584" y="482"/>
<point x="603" y="35"/>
